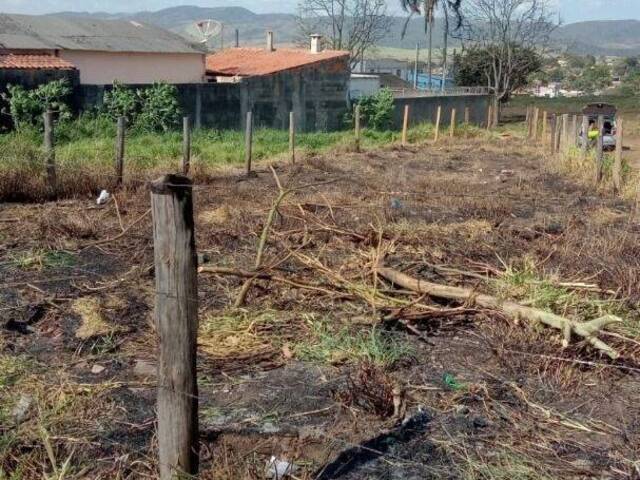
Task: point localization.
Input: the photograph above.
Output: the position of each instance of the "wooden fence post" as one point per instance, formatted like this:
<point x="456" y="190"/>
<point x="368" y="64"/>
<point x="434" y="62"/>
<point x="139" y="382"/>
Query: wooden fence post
<point x="544" y="126"/>
<point x="536" y="120"/>
<point x="120" y="137"/>
<point x="467" y="115"/>
<point x="452" y="129"/>
<point x="50" y="154"/>
<point x="574" y="130"/>
<point x="617" y="164"/>
<point x="248" y="142"/>
<point x="565" y="133"/>
<point x="357" y="128"/>
<point x="585" y="136"/>
<point x="292" y="137"/>
<point x="176" y="320"/>
<point x="527" y="121"/>
<point x="405" y="125"/>
<point x="438" y="117"/>
<point x="600" y="150"/>
<point x="552" y="133"/>
<point x="186" y="145"/>
<point x="559" y="134"/>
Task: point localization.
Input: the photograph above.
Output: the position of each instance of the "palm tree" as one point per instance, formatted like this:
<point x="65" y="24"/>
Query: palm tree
<point x="429" y="8"/>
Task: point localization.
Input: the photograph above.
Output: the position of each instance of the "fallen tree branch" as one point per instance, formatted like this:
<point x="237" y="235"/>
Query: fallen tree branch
<point x="264" y="275"/>
<point x="586" y="330"/>
<point x="117" y="237"/>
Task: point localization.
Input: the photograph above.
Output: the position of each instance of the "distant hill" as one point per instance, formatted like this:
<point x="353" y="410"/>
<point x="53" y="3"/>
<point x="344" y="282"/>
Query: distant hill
<point x="606" y="37"/>
<point x="619" y="38"/>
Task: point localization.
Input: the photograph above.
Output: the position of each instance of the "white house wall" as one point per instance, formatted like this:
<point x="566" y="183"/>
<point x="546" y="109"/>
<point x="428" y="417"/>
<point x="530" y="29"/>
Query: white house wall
<point x="102" y="68"/>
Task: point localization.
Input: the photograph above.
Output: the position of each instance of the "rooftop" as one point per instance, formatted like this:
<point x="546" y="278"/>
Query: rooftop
<point x="59" y="32"/>
<point x="34" y="62"/>
<point x="247" y="62"/>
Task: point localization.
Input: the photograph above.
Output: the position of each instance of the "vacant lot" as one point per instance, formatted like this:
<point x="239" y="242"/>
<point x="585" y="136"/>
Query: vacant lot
<point x="324" y="359"/>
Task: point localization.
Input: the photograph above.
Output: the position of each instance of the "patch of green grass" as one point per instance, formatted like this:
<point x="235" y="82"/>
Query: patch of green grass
<point x="527" y="285"/>
<point x="331" y="345"/>
<point x="40" y="259"/>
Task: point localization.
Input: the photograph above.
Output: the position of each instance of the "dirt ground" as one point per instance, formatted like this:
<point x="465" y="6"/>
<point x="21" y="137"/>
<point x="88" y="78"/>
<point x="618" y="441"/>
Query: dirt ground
<point x="310" y="373"/>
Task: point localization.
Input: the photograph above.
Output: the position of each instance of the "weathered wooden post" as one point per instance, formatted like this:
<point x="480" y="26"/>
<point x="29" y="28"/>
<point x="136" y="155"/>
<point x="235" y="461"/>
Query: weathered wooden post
<point x="536" y="121"/>
<point x="50" y="154"/>
<point x="489" y="117"/>
<point x="186" y="145"/>
<point x="574" y="131"/>
<point x="438" y="117"/>
<point x="527" y="121"/>
<point x="585" y="136"/>
<point x="467" y="115"/>
<point x="600" y="150"/>
<point x="248" y="142"/>
<point x="452" y="128"/>
<point x="292" y="137"/>
<point x="120" y="138"/>
<point x="565" y="133"/>
<point x="544" y="126"/>
<point x="552" y="133"/>
<point x="558" y="134"/>
<point x="405" y="125"/>
<point x="176" y="321"/>
<point x="357" y="128"/>
<point x="617" y="164"/>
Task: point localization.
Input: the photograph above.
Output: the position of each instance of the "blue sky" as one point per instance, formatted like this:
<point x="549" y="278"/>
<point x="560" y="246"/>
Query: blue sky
<point x="570" y="10"/>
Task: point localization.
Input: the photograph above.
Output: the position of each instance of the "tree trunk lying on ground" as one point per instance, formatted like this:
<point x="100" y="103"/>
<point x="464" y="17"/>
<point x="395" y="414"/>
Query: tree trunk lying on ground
<point x="586" y="330"/>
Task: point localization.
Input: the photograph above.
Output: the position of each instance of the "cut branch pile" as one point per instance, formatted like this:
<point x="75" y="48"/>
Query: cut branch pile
<point x="337" y="284"/>
<point x="586" y="330"/>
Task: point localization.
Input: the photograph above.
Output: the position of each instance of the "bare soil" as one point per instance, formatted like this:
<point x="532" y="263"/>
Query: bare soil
<point x="485" y="396"/>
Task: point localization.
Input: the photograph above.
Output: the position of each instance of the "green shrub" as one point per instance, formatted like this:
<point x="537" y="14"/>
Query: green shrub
<point x="26" y="107"/>
<point x="160" y="111"/>
<point x="151" y="109"/>
<point x="121" y="101"/>
<point x="376" y="111"/>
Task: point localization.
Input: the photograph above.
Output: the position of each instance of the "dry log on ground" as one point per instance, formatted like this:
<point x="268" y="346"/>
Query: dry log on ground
<point x="586" y="330"/>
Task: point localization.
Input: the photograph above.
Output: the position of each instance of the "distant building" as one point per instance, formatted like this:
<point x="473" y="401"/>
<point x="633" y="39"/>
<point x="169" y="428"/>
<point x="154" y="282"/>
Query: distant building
<point x="101" y="51"/>
<point x="312" y="82"/>
<point x="363" y="85"/>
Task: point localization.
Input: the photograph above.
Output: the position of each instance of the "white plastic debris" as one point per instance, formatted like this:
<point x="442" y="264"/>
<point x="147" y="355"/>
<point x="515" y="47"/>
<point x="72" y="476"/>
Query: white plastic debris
<point x="21" y="409"/>
<point x="103" y="197"/>
<point x="97" y="369"/>
<point x="279" y="469"/>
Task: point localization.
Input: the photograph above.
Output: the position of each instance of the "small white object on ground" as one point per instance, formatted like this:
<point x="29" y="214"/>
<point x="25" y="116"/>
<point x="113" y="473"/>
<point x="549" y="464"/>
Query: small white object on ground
<point x="103" y="197"/>
<point x="96" y="369"/>
<point x="279" y="469"/>
<point x="21" y="409"/>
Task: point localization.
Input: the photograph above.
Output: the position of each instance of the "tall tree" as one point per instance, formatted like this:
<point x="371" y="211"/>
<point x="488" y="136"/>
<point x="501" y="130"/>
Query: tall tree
<point x="351" y="25"/>
<point x="502" y="28"/>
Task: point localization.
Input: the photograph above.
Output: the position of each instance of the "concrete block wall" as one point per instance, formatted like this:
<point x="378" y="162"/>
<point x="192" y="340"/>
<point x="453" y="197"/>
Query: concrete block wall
<point x="317" y="94"/>
<point x="424" y="109"/>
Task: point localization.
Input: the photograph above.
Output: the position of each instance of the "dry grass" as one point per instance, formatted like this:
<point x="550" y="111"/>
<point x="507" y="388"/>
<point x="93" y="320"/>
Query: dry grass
<point x="526" y="409"/>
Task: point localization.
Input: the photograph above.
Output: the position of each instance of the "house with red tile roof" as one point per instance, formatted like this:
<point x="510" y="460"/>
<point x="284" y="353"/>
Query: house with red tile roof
<point x="310" y="82"/>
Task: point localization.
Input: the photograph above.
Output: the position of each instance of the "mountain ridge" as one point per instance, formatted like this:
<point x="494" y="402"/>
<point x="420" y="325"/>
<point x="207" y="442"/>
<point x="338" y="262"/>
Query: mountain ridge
<point x="597" y="37"/>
